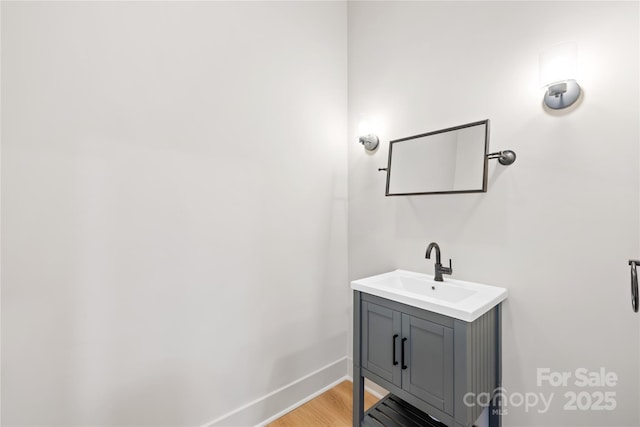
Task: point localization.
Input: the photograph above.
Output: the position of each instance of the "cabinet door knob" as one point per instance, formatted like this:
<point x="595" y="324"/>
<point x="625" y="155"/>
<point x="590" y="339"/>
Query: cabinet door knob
<point x="402" y="354"/>
<point x="393" y="345"/>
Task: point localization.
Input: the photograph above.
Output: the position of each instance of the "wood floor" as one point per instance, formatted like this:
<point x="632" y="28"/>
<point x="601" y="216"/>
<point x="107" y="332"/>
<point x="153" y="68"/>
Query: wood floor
<point x="332" y="408"/>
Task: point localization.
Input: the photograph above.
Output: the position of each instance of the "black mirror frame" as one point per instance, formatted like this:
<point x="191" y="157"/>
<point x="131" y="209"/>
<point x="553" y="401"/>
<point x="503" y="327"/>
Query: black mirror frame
<point x="485" y="166"/>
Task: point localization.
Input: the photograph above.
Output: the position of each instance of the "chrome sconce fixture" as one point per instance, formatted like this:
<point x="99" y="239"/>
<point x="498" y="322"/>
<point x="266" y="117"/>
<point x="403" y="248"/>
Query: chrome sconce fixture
<point x="367" y="131"/>
<point x="369" y="142"/>
<point x="557" y="73"/>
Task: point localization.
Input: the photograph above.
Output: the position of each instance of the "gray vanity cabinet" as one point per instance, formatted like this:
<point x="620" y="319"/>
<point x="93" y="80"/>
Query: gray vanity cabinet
<point x="428" y="372"/>
<point x="427" y="360"/>
<point x="381" y="329"/>
<point x="411" y="353"/>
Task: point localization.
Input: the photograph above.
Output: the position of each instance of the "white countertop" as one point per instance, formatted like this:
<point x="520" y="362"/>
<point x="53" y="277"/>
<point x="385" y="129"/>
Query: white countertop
<point x="454" y="298"/>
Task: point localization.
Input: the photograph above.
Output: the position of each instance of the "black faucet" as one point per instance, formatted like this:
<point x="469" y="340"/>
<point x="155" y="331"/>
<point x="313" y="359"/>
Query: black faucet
<point x="440" y="270"/>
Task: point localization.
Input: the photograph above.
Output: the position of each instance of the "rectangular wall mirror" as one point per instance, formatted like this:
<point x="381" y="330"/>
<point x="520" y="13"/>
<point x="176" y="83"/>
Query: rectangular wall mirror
<point x="452" y="160"/>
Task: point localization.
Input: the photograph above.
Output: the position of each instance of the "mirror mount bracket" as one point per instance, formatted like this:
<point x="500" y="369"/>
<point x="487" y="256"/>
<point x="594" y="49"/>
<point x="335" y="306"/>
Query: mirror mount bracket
<point x="506" y="157"/>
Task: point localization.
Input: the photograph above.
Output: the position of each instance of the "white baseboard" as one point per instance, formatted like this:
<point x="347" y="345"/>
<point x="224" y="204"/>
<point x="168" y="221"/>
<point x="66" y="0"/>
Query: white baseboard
<point x="277" y="403"/>
<point x="374" y="389"/>
<point x="302" y="401"/>
<point x="371" y="387"/>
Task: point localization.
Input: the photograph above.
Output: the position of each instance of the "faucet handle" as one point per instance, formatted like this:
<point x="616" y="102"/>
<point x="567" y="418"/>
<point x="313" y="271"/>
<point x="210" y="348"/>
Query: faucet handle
<point x="448" y="270"/>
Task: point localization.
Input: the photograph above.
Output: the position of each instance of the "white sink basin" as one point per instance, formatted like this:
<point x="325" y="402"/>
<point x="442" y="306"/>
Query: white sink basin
<point x="454" y="298"/>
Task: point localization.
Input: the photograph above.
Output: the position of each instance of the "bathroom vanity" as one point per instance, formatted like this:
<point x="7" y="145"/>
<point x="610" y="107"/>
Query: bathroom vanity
<point x="435" y="346"/>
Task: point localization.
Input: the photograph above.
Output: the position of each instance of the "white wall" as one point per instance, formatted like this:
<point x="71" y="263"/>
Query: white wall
<point x="174" y="202"/>
<point x="173" y="207"/>
<point x="558" y="226"/>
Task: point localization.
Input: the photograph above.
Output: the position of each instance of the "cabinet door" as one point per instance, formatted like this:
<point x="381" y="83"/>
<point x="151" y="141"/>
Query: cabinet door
<point x="429" y="361"/>
<point x="381" y="329"/>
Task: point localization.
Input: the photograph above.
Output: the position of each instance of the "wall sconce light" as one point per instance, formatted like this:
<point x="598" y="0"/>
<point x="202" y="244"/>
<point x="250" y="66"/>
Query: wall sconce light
<point x="370" y="142"/>
<point x="558" y="66"/>
<point x="367" y="138"/>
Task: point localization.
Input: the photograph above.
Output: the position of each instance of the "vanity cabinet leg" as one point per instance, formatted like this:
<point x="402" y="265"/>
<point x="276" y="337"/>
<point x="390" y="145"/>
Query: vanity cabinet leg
<point x="495" y="417"/>
<point x="358" y="380"/>
<point x="358" y="397"/>
<point x="495" y="409"/>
